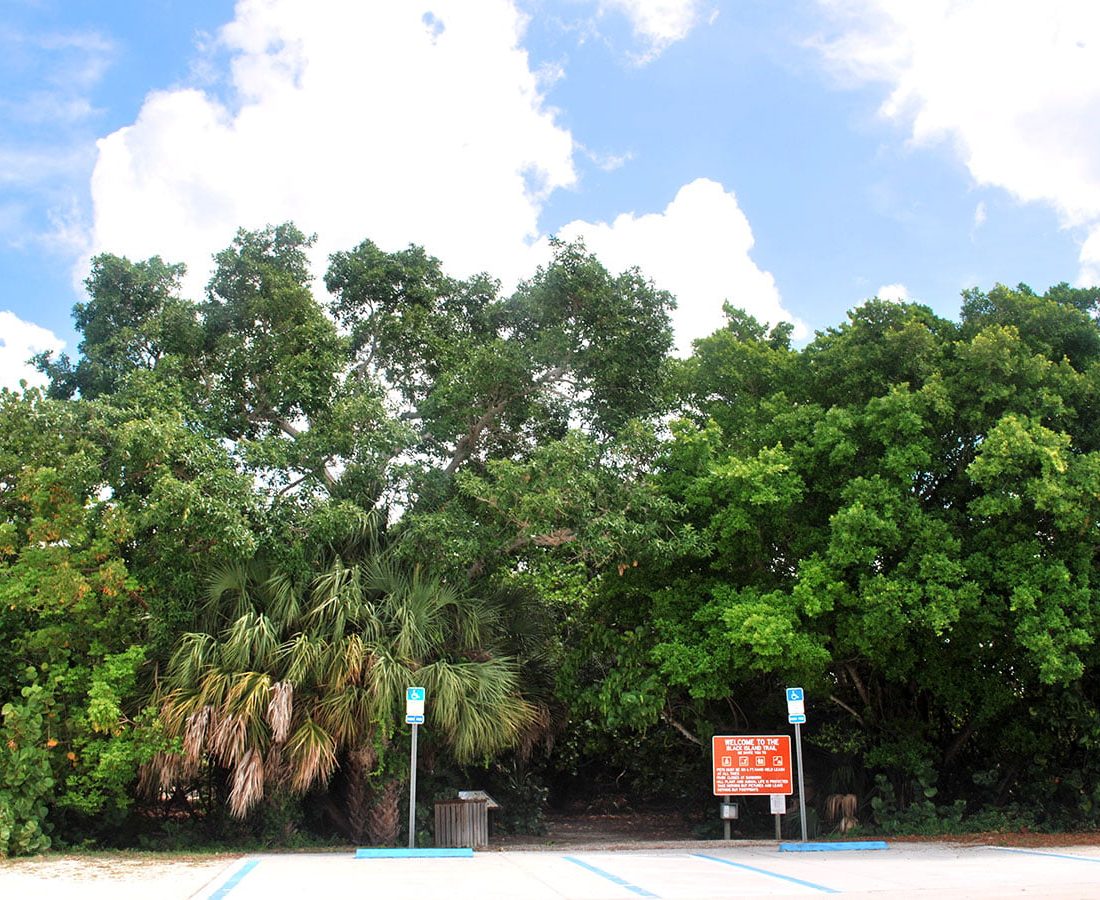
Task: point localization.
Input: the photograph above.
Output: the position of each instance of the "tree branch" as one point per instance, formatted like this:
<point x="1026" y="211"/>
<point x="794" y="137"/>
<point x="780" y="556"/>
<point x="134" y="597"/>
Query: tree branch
<point x="680" y="728"/>
<point x="845" y="706"/>
<point x="466" y="444"/>
<point x="292" y="485"/>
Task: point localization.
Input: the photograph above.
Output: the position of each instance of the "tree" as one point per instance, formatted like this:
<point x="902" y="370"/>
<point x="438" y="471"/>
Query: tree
<point x="133" y="321"/>
<point x="291" y="681"/>
<point x="902" y="518"/>
<point x="480" y="375"/>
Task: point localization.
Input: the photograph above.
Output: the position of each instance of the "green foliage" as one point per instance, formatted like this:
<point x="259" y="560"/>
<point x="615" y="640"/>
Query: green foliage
<point x="901" y="516"/>
<point x="25" y="779"/>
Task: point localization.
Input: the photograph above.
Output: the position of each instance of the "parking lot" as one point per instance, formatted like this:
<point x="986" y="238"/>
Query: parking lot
<point x="692" y="871"/>
<point x="760" y="871"/>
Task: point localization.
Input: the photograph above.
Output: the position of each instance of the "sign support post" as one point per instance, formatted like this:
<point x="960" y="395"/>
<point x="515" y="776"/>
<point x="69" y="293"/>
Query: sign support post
<point x="412" y="791"/>
<point x="801" y="780"/>
<point x="796" y="715"/>
<point x="779" y="806"/>
<point x="414" y="715"/>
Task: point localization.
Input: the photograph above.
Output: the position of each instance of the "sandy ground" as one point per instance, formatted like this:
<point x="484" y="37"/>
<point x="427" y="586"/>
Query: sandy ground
<point x="116" y="876"/>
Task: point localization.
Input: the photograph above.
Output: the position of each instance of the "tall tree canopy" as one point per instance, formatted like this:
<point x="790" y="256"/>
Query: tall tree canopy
<point x="902" y="516"/>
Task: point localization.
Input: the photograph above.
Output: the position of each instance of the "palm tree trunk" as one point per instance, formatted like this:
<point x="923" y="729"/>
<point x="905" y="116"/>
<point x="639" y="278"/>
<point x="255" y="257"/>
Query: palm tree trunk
<point x="358" y="797"/>
<point x="384" y="819"/>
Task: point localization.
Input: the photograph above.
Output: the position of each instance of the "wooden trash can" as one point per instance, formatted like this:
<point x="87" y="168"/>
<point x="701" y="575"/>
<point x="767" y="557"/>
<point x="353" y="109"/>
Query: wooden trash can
<point x="462" y="823"/>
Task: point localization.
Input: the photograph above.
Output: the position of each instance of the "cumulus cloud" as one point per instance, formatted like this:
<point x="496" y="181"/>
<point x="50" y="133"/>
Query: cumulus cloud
<point x="403" y="122"/>
<point x="896" y="293"/>
<point x="658" y="23"/>
<point x="699" y="249"/>
<point x="19" y="341"/>
<point x="1013" y="85"/>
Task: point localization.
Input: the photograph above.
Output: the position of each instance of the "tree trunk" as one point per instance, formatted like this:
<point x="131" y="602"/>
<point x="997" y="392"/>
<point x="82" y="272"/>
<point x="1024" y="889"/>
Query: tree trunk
<point x="384" y="818"/>
<point x="357" y="793"/>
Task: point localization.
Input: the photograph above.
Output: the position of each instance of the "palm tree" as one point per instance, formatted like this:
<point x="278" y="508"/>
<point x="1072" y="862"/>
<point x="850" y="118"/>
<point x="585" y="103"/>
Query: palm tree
<point x="288" y="683"/>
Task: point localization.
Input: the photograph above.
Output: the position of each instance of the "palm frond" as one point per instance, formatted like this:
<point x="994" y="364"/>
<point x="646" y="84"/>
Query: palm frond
<point x="251" y="642"/>
<point x="249" y="696"/>
<point x="386" y="686"/>
<point x="301" y="659"/>
<point x="227" y="738"/>
<point x="248" y="783"/>
<point x="159" y="773"/>
<point x="280" y="709"/>
<point x="194" y="652"/>
<point x="228" y="594"/>
<point x="477" y="705"/>
<point x="213" y="688"/>
<point x="195" y="733"/>
<point x="284" y="600"/>
<point x="346" y="715"/>
<point x="311" y="753"/>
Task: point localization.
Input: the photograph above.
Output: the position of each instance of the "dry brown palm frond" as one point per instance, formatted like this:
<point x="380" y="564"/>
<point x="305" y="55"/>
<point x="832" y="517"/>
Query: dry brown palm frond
<point x="280" y="709"/>
<point x="159" y="773"/>
<point x="839" y="807"/>
<point x="227" y="739"/>
<point x="276" y="767"/>
<point x="537" y="731"/>
<point x="195" y="733"/>
<point x="248" y="784"/>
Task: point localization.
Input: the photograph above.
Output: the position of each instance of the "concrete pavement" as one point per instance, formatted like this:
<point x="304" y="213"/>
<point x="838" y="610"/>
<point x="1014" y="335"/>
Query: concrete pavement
<point x="906" y="870"/>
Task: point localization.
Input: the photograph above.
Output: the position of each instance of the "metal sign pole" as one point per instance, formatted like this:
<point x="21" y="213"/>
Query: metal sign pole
<point x="412" y="793"/>
<point x="726" y="822"/>
<point x="801" y="780"/>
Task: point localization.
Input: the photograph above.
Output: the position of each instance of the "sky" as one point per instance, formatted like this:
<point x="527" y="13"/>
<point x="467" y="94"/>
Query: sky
<point x="791" y="157"/>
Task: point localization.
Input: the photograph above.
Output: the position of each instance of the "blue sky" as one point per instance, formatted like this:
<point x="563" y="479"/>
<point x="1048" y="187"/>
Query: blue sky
<point x="792" y="157"/>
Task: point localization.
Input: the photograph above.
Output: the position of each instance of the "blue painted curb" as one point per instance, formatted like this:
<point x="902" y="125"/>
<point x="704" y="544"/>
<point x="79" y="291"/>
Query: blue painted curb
<point x="832" y="845"/>
<point x="407" y="853"/>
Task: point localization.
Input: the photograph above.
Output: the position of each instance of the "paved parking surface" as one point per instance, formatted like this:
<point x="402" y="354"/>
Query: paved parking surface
<point x="940" y="871"/>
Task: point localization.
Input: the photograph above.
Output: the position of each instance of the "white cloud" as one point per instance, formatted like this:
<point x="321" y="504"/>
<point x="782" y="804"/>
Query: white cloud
<point x="607" y="162"/>
<point x="896" y="293"/>
<point x="699" y="249"/>
<point x="658" y="22"/>
<point x="406" y="123"/>
<point x="403" y="122"/>
<point x="980" y="215"/>
<point x="19" y="341"/>
<point x="1013" y="85"/>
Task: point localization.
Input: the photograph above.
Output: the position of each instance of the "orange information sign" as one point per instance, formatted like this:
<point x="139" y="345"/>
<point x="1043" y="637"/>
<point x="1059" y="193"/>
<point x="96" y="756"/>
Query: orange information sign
<point x="752" y="764"/>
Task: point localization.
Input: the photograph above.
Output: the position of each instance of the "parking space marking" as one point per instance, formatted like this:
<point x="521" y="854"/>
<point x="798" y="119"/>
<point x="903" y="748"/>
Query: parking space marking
<point x="234" y="880"/>
<point x="1091" y="859"/>
<point x="759" y="871"/>
<point x="640" y="891"/>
